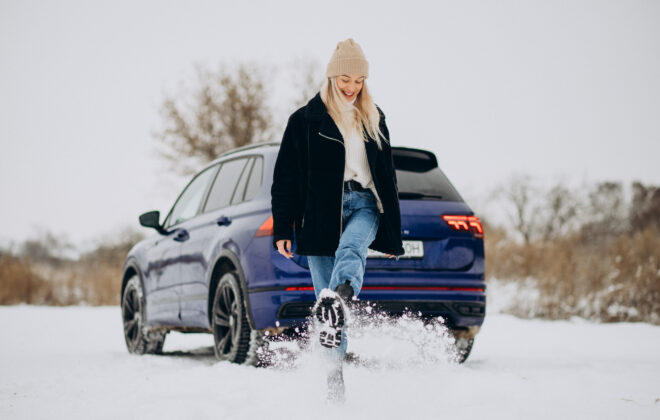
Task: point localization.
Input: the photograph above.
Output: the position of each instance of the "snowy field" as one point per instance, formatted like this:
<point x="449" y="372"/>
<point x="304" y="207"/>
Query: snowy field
<point x="71" y="363"/>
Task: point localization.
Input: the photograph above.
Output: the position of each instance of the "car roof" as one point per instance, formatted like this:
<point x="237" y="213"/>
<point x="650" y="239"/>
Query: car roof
<point x="244" y="150"/>
<point x="239" y="151"/>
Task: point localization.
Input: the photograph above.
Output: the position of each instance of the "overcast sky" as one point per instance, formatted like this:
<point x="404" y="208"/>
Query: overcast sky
<point x="558" y="90"/>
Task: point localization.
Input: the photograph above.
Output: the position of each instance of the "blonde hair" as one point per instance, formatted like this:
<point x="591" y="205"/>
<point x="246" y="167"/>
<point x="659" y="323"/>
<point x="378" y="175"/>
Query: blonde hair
<point x="364" y="110"/>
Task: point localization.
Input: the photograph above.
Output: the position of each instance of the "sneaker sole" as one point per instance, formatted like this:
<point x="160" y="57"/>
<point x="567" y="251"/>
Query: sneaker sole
<point x="331" y="315"/>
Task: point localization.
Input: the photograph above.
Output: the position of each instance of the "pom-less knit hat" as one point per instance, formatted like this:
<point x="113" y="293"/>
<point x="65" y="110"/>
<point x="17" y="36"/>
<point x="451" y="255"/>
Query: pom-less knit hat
<point x="348" y="58"/>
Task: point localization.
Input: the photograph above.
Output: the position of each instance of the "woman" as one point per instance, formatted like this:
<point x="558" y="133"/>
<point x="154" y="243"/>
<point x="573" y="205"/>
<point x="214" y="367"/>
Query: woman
<point x="334" y="184"/>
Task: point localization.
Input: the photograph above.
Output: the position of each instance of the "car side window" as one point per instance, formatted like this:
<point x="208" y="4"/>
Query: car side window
<point x="256" y="175"/>
<point x="188" y="203"/>
<point x="224" y="185"/>
<point x="240" y="187"/>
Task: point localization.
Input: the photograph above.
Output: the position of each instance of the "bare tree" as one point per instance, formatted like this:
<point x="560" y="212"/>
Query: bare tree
<point x="645" y="207"/>
<point x="46" y="248"/>
<point x="559" y="212"/>
<point x="227" y="109"/>
<point x="605" y="212"/>
<point x="518" y="195"/>
<point x="307" y="76"/>
<point x="297" y="81"/>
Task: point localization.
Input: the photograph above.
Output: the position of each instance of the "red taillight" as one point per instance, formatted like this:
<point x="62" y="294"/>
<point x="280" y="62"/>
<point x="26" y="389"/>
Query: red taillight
<point x="412" y="288"/>
<point x="397" y="288"/>
<point x="266" y="228"/>
<point x="464" y="224"/>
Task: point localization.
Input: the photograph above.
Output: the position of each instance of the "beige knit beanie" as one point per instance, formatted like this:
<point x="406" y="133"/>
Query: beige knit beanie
<point x="348" y="58"/>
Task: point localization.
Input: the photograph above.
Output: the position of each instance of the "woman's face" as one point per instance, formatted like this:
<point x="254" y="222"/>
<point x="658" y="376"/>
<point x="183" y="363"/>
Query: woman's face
<point x="350" y="85"/>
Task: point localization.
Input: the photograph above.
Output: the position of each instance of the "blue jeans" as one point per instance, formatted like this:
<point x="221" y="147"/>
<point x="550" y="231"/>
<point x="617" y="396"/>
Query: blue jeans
<point x="360" y="221"/>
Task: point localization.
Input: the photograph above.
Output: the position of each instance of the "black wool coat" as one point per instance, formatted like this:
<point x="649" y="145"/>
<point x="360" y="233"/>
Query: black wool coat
<point x="308" y="182"/>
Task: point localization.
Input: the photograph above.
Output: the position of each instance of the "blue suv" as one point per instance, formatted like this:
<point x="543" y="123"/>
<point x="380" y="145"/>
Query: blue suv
<point x="211" y="266"/>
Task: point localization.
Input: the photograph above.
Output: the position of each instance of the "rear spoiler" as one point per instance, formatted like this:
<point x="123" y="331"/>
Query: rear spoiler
<point x="413" y="160"/>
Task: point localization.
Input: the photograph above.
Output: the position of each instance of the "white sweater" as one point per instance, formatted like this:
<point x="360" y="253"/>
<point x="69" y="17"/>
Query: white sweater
<point x="357" y="165"/>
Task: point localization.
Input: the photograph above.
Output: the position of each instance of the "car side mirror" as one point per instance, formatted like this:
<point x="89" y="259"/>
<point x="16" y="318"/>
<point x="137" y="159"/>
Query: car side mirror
<point x="151" y="219"/>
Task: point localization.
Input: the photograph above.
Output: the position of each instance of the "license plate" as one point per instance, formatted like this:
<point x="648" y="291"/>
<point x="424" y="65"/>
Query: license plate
<point x="414" y="249"/>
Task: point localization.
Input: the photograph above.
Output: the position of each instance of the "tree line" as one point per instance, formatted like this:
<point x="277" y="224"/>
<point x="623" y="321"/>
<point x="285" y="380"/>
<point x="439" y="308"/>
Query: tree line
<point x="592" y="251"/>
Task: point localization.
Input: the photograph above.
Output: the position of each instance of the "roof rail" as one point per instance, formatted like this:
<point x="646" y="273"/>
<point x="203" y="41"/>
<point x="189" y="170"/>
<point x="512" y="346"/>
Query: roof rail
<point x="248" y="147"/>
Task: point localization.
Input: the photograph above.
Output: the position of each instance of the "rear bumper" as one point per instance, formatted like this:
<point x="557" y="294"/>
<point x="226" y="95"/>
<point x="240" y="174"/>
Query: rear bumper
<point x="278" y="307"/>
<point x="283" y="297"/>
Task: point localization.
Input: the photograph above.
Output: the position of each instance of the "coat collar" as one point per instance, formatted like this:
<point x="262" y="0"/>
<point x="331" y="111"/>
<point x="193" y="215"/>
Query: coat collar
<point x="315" y="110"/>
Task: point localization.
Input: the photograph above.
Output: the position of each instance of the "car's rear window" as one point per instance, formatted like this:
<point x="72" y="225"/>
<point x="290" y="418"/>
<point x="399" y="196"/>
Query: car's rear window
<point x="419" y="177"/>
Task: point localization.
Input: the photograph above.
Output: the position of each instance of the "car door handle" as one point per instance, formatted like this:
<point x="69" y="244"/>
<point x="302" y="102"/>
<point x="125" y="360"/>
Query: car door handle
<point x="223" y="221"/>
<point x="181" y="235"/>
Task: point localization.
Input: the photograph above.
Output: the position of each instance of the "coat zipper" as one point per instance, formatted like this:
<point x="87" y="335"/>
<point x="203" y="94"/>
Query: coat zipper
<point x="341" y="200"/>
<point x="396" y="189"/>
<point x="341" y="214"/>
<point x="330" y="138"/>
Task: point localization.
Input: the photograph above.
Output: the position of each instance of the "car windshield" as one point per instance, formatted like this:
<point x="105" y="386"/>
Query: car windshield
<point x="189" y="201"/>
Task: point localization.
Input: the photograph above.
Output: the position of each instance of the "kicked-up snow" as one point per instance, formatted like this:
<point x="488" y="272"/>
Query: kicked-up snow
<point x="71" y="363"/>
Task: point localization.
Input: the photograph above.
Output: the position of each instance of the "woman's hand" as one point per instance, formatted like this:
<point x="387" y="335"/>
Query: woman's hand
<point x="390" y="255"/>
<point x="284" y="247"/>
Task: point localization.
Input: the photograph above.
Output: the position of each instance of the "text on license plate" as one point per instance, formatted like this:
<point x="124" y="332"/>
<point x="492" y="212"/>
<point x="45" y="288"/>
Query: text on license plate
<point x="413" y="249"/>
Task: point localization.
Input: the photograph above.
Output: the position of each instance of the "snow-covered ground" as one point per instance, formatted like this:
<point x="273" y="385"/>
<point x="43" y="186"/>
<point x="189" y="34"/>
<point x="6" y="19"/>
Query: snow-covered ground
<point x="71" y="363"/>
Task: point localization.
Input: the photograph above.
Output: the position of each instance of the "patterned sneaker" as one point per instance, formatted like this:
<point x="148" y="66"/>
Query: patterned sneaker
<point x="336" y="387"/>
<point x="345" y="291"/>
<point x="331" y="313"/>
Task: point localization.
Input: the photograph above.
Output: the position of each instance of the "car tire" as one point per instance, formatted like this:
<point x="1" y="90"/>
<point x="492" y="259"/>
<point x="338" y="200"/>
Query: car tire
<point x="463" y="348"/>
<point x="138" y="339"/>
<point x="231" y="330"/>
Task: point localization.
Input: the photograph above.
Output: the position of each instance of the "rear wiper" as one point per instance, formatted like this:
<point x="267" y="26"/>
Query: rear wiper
<point x="413" y="195"/>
